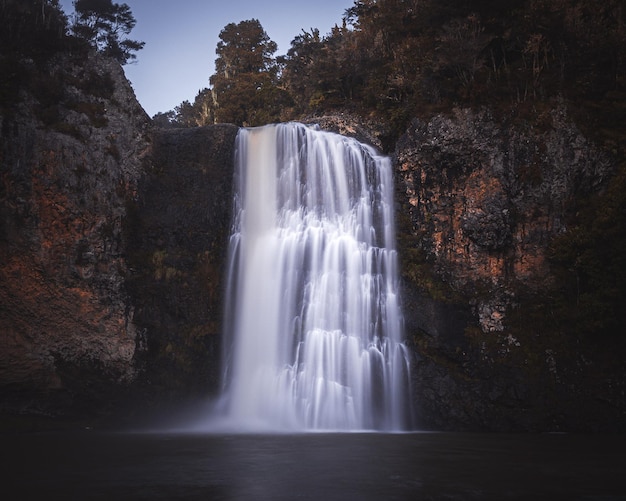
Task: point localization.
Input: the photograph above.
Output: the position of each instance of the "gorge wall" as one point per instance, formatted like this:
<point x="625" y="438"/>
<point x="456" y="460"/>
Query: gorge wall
<point x="71" y="154"/>
<point x="114" y="235"/>
<point x="483" y="203"/>
<point x="177" y="234"/>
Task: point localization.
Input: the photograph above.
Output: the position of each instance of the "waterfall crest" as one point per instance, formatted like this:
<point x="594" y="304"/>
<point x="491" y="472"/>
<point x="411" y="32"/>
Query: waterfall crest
<point x="313" y="326"/>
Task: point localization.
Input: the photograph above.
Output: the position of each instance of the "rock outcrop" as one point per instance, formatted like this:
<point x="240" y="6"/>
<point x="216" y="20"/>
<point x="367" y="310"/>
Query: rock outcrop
<point x="486" y="198"/>
<point x="71" y="155"/>
<point x="482" y="201"/>
<point x="178" y="230"/>
<point x="112" y="242"/>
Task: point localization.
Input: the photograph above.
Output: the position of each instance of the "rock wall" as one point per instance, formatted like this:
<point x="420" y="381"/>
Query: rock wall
<point x="112" y="241"/>
<point x="178" y="229"/>
<point x="486" y="197"/>
<point x="482" y="200"/>
<point x="70" y="156"/>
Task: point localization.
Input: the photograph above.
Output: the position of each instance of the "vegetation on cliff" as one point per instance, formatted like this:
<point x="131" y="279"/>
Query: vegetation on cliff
<point x="33" y="32"/>
<point x="72" y="139"/>
<point x="104" y="24"/>
<point x="395" y="59"/>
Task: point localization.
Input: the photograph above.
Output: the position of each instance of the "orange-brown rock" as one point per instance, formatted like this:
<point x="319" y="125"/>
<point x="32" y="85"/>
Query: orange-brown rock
<point x="482" y="201"/>
<point x="483" y="220"/>
<point x="67" y="174"/>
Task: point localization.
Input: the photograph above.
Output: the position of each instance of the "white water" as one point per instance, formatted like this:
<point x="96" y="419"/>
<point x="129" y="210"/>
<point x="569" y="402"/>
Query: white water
<point x="313" y="323"/>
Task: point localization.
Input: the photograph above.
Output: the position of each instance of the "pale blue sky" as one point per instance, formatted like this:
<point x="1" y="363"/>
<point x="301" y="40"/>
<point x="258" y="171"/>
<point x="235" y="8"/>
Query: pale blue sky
<point x="181" y="36"/>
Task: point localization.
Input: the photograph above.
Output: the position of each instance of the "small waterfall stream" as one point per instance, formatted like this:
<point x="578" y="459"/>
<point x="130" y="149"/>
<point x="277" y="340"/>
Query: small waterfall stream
<point x="313" y="327"/>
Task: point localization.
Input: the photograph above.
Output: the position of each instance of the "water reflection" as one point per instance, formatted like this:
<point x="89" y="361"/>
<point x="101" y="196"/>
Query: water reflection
<point x="418" y="466"/>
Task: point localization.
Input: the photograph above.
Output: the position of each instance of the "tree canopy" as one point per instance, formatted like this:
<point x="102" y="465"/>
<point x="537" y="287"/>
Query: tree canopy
<point x="32" y="32"/>
<point x="393" y="59"/>
<point x="31" y="27"/>
<point x="105" y="24"/>
<point x="245" y="82"/>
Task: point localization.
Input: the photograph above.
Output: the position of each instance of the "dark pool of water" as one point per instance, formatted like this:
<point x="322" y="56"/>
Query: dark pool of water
<point x="417" y="466"/>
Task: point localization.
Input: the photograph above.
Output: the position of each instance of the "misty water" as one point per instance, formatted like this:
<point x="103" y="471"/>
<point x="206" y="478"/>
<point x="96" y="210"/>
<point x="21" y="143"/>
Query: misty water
<point x="313" y="328"/>
<point x="328" y="466"/>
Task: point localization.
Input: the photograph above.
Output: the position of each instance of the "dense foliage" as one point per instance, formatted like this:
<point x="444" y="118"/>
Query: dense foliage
<point x="31" y="27"/>
<point x="38" y="29"/>
<point x="32" y="32"/>
<point x="104" y="24"/>
<point x="397" y="58"/>
<point x="590" y="264"/>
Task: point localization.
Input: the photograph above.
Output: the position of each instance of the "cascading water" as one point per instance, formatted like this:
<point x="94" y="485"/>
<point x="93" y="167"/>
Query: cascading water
<point x="313" y="322"/>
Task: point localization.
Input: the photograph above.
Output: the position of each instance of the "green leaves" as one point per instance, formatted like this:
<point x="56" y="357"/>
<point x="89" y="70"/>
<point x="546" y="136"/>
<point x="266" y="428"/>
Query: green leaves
<point x="245" y="80"/>
<point x="104" y="24"/>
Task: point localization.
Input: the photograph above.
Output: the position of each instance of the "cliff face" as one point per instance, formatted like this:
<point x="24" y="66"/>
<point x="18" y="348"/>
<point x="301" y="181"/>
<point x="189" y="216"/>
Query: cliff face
<point x="71" y="157"/>
<point x="113" y="239"/>
<point x="486" y="198"/>
<point x="112" y="242"/>
<point x="483" y="201"/>
<point x="178" y="229"/>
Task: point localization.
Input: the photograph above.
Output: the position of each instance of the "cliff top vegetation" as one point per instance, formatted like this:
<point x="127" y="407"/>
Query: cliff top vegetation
<point x="395" y="59"/>
<point x="34" y="31"/>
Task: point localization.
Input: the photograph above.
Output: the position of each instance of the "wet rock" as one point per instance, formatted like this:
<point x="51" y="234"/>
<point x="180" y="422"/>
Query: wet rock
<point x="178" y="231"/>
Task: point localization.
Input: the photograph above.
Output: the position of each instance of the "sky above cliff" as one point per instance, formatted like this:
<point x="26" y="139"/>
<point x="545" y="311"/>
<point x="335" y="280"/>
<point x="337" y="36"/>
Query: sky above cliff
<point x="181" y="37"/>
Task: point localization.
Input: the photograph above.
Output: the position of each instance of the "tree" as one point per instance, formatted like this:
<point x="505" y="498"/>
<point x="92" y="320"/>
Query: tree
<point x="33" y="28"/>
<point x="460" y="52"/>
<point x="299" y="75"/>
<point x="104" y="24"/>
<point x="204" y="108"/>
<point x="165" y="120"/>
<point x="392" y="38"/>
<point x="186" y="114"/>
<point x="198" y="113"/>
<point x="245" y="87"/>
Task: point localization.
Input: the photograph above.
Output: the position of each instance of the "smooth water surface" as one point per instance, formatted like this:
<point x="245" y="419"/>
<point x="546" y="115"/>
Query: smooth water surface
<point x="315" y="466"/>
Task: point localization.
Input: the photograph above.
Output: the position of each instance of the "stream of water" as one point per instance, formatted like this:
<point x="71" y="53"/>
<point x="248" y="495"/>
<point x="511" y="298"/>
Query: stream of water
<point x="313" y="329"/>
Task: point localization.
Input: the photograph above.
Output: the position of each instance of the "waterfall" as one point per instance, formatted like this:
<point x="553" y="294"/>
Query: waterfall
<point x="314" y="330"/>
